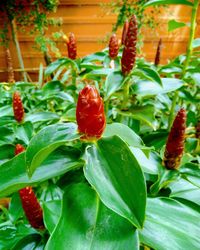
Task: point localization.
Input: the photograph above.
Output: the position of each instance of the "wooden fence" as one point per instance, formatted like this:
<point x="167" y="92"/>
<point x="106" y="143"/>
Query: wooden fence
<point x="90" y="24"/>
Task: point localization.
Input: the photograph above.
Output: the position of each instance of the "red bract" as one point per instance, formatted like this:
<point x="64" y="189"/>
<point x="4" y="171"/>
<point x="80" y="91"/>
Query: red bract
<point x="90" y="115"/>
<point x="71" y="46"/>
<point x="18" y="108"/>
<point x="113" y="47"/>
<point x="175" y="142"/>
<point x="19" y="149"/>
<point x="32" y="208"/>
<point x="129" y="52"/>
<point x="124" y="32"/>
<point x="158" y="52"/>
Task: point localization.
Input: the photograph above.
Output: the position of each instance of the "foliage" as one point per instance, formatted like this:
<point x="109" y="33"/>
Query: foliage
<point x="110" y="193"/>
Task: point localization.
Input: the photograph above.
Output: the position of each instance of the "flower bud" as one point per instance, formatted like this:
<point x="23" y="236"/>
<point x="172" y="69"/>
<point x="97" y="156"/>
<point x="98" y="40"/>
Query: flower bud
<point x="19" y="149"/>
<point x="158" y="53"/>
<point x="71" y="46"/>
<point x="90" y="115"/>
<point x="18" y="108"/>
<point x="129" y="51"/>
<point x="32" y="208"/>
<point x="124" y="32"/>
<point x="113" y="47"/>
<point x="175" y="142"/>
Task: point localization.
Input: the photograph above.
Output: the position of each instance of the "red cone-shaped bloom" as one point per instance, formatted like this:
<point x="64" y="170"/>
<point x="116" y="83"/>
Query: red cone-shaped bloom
<point x="18" y="108"/>
<point x="158" y="53"/>
<point x="19" y="149"/>
<point x="129" y="52"/>
<point x="175" y="142"/>
<point x="90" y="115"/>
<point x="124" y="32"/>
<point x="32" y="208"/>
<point x="113" y="47"/>
<point x="71" y="46"/>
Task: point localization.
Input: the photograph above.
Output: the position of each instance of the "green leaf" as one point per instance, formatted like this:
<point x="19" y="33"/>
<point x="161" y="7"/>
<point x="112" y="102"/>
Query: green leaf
<point x="114" y="82"/>
<point x="170" y="225"/>
<point x="57" y="64"/>
<point x="90" y="65"/>
<point x="196" y="43"/>
<point x="98" y="73"/>
<point x="148" y="165"/>
<point x="185" y="190"/>
<point x="149" y="88"/>
<point x="148" y="73"/>
<point x="51" y="214"/>
<point x="24" y="132"/>
<point x="173" y="25"/>
<point x="15" y="176"/>
<point x="162" y="2"/>
<point x="15" y="208"/>
<point x="98" y="56"/>
<point x="46" y="141"/>
<point x="41" y="117"/>
<point x="6" y="111"/>
<point x="123" y="131"/>
<point x="110" y="164"/>
<point x="6" y="152"/>
<point x="87" y="224"/>
<point x="30" y="242"/>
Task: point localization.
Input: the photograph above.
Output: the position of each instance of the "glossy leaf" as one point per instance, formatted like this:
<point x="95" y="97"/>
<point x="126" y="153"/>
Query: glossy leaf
<point x="148" y="73"/>
<point x="98" y="56"/>
<point x="51" y="213"/>
<point x="148" y="88"/>
<point x="46" y="141"/>
<point x="87" y="224"/>
<point x="114" y="82"/>
<point x="185" y="190"/>
<point x="24" y="132"/>
<point x="161" y="2"/>
<point x="41" y="117"/>
<point x="15" y="176"/>
<point x="123" y="131"/>
<point x="170" y="225"/>
<point x="110" y="164"/>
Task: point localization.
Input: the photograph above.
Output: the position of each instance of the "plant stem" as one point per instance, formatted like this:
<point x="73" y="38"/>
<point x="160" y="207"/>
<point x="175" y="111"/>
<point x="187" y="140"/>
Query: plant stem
<point x="126" y="93"/>
<point x="15" y="39"/>
<point x="188" y="56"/>
<point x="192" y="35"/>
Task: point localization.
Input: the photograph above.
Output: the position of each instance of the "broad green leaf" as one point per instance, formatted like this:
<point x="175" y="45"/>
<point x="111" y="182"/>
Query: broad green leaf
<point x="98" y="56"/>
<point x="162" y="2"/>
<point x="148" y="73"/>
<point x="148" y="165"/>
<point x="110" y="164"/>
<point x="6" y="152"/>
<point x="123" y="131"/>
<point x="87" y="224"/>
<point x="114" y="82"/>
<point x="173" y="25"/>
<point x="5" y="120"/>
<point x="7" y="135"/>
<point x="171" y="70"/>
<point x="24" y="132"/>
<point x="15" y="176"/>
<point x="148" y="88"/>
<point x="46" y="141"/>
<point x="6" y="111"/>
<point x="185" y="190"/>
<point x="98" y="73"/>
<point x="90" y="65"/>
<point x="156" y="139"/>
<point x="51" y="214"/>
<point x="196" y="43"/>
<point x="170" y="225"/>
<point x="58" y="63"/>
<point x="15" y="208"/>
<point x="41" y="117"/>
<point x="30" y="242"/>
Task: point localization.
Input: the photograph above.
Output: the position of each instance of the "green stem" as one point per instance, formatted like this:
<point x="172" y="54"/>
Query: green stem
<point x="192" y="35"/>
<point x="19" y="55"/>
<point x="188" y="56"/>
<point x="126" y="93"/>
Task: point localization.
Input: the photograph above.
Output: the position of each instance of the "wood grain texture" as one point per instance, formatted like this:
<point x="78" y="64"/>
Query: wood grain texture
<point x="88" y="21"/>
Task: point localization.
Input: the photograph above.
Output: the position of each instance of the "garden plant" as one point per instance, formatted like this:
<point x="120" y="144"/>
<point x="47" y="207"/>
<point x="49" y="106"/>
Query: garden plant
<point x="104" y="155"/>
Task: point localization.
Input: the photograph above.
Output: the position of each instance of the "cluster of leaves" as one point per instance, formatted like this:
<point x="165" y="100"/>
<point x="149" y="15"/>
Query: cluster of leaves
<point x="114" y="193"/>
<point x="29" y="13"/>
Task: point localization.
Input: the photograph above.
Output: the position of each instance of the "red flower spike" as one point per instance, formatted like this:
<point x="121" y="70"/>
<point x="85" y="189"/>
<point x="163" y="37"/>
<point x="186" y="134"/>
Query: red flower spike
<point x="90" y="115"/>
<point x="158" y="53"/>
<point x="175" y="142"/>
<point x="71" y="46"/>
<point x="124" y="32"/>
<point x="129" y="52"/>
<point x="18" y="108"/>
<point x="113" y="47"/>
<point x="32" y="208"/>
<point x="19" y="149"/>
